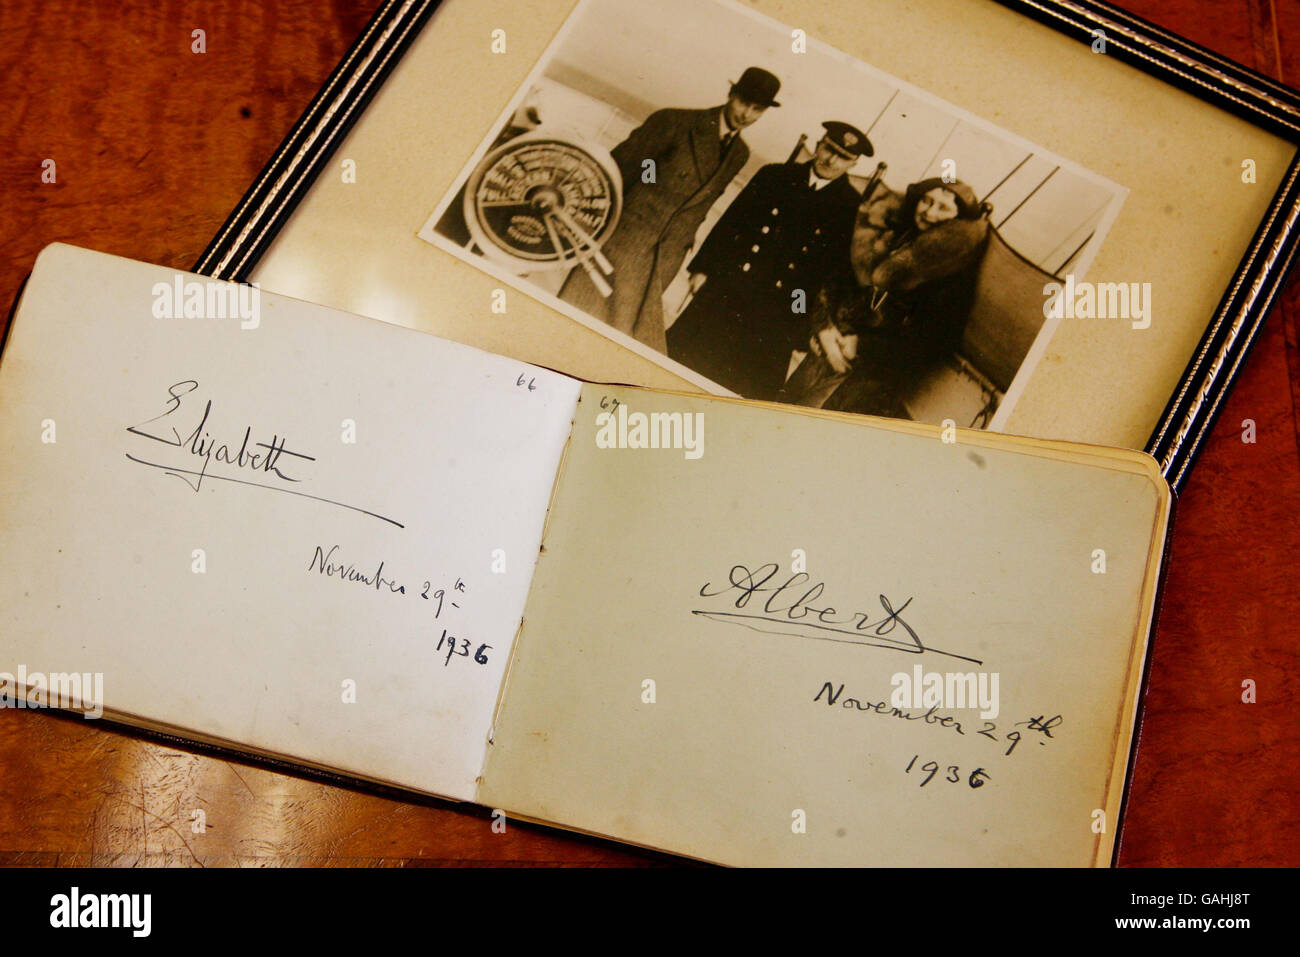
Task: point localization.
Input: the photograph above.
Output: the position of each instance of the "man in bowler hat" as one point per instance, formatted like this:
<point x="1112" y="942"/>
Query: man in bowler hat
<point x="784" y="237"/>
<point x="695" y="153"/>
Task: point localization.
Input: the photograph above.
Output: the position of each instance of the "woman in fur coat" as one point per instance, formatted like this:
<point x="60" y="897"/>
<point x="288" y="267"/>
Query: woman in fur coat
<point x="914" y="257"/>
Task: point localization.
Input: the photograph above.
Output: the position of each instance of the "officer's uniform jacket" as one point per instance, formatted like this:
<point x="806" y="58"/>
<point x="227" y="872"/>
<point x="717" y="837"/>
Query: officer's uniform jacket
<point x="768" y="255"/>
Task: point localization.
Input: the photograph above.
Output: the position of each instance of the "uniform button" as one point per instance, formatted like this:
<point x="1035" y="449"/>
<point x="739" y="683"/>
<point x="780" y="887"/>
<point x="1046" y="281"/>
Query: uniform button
<point x="805" y="249"/>
<point x="817" y="232"/>
<point x="775" y="210"/>
<point x="754" y="248"/>
<point x="790" y="266"/>
<point x="767" y="229"/>
<point x="778" y="284"/>
<point x="745" y="268"/>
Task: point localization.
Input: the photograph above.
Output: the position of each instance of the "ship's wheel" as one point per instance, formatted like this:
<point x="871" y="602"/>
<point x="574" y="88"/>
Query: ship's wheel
<point x="541" y="201"/>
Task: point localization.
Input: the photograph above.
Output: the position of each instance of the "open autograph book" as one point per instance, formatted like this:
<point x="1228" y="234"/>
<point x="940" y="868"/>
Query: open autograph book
<point x="740" y="632"/>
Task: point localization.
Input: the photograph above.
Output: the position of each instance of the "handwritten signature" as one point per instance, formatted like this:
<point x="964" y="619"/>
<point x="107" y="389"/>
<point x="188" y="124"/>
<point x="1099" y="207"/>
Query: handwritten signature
<point x="789" y="609"/>
<point x="200" y="444"/>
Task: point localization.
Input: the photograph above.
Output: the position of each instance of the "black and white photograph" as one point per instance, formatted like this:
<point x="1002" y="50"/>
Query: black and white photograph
<point x="770" y="218"/>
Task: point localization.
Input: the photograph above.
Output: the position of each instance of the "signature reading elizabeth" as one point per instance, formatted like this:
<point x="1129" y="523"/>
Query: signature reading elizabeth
<point x="275" y="467"/>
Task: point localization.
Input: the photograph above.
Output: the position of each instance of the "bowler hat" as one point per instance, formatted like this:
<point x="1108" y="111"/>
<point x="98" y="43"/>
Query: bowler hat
<point x="757" y="86"/>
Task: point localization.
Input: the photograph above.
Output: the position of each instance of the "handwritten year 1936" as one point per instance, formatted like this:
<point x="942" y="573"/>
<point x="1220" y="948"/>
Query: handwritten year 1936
<point x="450" y="641"/>
<point x="976" y="779"/>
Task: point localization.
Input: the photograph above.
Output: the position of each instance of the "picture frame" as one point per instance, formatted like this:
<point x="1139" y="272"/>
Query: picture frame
<point x="1217" y="335"/>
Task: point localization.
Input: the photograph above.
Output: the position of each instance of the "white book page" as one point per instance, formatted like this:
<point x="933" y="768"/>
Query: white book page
<point x="298" y="531"/>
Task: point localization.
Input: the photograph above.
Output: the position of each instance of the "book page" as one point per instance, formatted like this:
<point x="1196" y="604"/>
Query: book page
<point x="264" y="523"/>
<point x="765" y="637"/>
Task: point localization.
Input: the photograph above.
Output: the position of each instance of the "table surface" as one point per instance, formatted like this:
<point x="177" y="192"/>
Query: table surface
<point x="155" y="146"/>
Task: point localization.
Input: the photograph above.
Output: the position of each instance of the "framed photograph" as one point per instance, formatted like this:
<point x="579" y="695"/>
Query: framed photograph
<point x="1051" y="219"/>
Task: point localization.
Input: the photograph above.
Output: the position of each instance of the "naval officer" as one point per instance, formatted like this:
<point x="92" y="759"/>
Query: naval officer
<point x="784" y="237"/>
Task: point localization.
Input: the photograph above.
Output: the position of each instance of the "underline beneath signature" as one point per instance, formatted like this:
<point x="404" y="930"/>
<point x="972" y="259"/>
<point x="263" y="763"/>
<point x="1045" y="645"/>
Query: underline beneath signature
<point x="170" y="470"/>
<point x="783" y="626"/>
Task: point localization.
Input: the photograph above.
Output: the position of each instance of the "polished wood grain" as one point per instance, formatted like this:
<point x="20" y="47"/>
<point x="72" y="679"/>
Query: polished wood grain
<point x="155" y="144"/>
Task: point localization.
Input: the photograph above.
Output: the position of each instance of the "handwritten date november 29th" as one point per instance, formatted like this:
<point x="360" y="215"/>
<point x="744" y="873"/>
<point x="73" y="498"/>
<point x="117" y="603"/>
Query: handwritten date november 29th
<point x="1039" y="726"/>
<point x="325" y="562"/>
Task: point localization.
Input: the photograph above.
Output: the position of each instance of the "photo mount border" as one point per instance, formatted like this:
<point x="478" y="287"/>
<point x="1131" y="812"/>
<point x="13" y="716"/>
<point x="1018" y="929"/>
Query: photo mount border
<point x="1190" y="412"/>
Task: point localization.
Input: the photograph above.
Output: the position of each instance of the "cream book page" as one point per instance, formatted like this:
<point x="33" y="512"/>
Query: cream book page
<point x="789" y="638"/>
<point x="264" y="523"/>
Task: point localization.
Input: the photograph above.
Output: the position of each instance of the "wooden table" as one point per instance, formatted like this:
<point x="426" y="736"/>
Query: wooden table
<point x="154" y="146"/>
